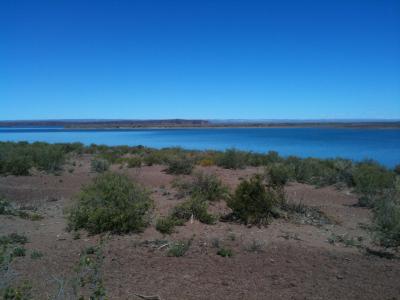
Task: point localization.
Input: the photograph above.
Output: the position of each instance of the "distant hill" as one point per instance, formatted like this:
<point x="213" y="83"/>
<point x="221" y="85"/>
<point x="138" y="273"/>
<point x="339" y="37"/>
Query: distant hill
<point x="187" y="123"/>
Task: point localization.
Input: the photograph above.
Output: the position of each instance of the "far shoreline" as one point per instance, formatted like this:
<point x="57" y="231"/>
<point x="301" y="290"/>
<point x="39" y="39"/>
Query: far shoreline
<point x="194" y="124"/>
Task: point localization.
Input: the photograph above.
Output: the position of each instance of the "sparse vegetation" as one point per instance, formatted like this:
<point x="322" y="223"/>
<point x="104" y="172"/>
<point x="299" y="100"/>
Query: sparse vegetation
<point x="196" y="207"/>
<point x="255" y="246"/>
<point x="178" y="249"/>
<point x="19" y="158"/>
<point x="19" y="251"/>
<point x="35" y="254"/>
<point x="111" y="203"/>
<point x="231" y="159"/>
<point x="99" y="165"/>
<point x="387" y="219"/>
<point x="206" y="186"/>
<point x="134" y="162"/>
<point x="6" y="208"/>
<point x="254" y="202"/>
<point x="371" y="182"/>
<point x="18" y="292"/>
<point x="225" y="252"/>
<point x="166" y="225"/>
<point x="180" y="165"/>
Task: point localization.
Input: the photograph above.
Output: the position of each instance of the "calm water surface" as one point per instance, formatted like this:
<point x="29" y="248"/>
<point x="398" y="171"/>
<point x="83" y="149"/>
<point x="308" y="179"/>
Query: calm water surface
<point x="382" y="145"/>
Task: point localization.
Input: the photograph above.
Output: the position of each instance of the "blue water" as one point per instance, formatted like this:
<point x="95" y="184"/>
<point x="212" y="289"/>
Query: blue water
<point x="382" y="145"/>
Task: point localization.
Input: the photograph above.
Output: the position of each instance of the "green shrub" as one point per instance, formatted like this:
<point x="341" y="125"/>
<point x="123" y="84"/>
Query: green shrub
<point x="134" y="162"/>
<point x="371" y="181"/>
<point x="195" y="206"/>
<point x="5" y="207"/>
<point x="49" y="158"/>
<point x="111" y="203"/>
<point x="180" y="165"/>
<point x="225" y="252"/>
<point x="231" y="159"/>
<point x="254" y="202"/>
<point x="278" y="174"/>
<point x="255" y="246"/>
<point x="99" y="165"/>
<point x="206" y="186"/>
<point x="397" y="169"/>
<point x="13" y="238"/>
<point x="167" y="224"/>
<point x="178" y="249"/>
<point x="21" y="292"/>
<point x="387" y="220"/>
<point x="36" y="254"/>
<point x="19" y="251"/>
<point x="153" y="158"/>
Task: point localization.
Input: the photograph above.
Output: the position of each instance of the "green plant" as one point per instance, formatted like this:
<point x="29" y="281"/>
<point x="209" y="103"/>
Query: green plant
<point x="278" y="174"/>
<point x="215" y="242"/>
<point x="231" y="159"/>
<point x="111" y="203"/>
<point x="5" y="207"/>
<point x="76" y="235"/>
<point x="36" y="254"/>
<point x="99" y="165"/>
<point x="255" y="202"/>
<point x="255" y="246"/>
<point x="387" y="220"/>
<point x="20" y="292"/>
<point x="196" y="207"/>
<point x="396" y="169"/>
<point x="180" y="165"/>
<point x="167" y="224"/>
<point x="19" y="251"/>
<point x="206" y="186"/>
<point x="178" y="249"/>
<point x="13" y="238"/>
<point x="134" y="162"/>
<point x="371" y="181"/>
<point x="225" y="252"/>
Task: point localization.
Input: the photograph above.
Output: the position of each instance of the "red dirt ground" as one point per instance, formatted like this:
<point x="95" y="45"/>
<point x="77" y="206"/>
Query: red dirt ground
<point x="295" y="260"/>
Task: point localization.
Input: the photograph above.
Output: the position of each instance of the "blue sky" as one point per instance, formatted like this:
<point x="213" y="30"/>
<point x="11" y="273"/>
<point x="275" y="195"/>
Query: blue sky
<point x="199" y="59"/>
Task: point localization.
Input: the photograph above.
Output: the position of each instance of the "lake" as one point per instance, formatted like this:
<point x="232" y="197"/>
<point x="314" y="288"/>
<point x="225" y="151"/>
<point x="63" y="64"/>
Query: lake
<point x="382" y="145"/>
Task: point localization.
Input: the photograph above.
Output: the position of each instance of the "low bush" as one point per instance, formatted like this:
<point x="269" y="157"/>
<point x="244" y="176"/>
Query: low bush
<point x="178" y="249"/>
<point x="99" y="165"/>
<point x="254" y="202"/>
<point x="13" y="238"/>
<point x="20" y="292"/>
<point x="206" y="186"/>
<point x="387" y="220"/>
<point x="18" y="158"/>
<point x="5" y="207"/>
<point x="397" y="169"/>
<point x="206" y="162"/>
<point x="180" y="166"/>
<point x="111" y="203"/>
<point x="255" y="246"/>
<point x="166" y="225"/>
<point x="19" y="251"/>
<point x="36" y="254"/>
<point x="371" y="181"/>
<point x="231" y="159"/>
<point x="196" y="207"/>
<point x="225" y="252"/>
<point x="134" y="162"/>
<point x="278" y="174"/>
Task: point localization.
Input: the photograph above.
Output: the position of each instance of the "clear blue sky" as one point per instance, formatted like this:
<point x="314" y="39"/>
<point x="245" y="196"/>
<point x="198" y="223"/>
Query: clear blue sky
<point x="199" y="59"/>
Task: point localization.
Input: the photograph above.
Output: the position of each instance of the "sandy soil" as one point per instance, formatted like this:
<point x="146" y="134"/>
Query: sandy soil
<point x="294" y="261"/>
